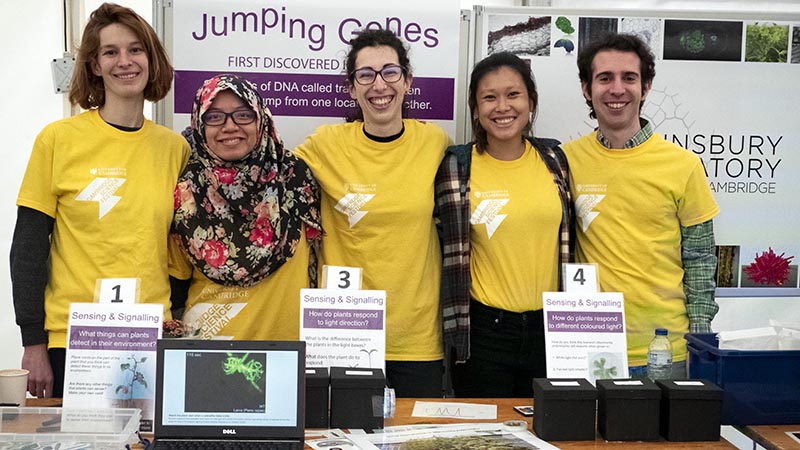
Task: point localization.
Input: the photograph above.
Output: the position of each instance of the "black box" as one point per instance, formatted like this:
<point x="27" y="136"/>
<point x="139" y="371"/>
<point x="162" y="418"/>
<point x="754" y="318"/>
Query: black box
<point x="357" y="398"/>
<point x="564" y="409"/>
<point x="628" y="410"/>
<point x="317" y="395"/>
<point x="691" y="410"/>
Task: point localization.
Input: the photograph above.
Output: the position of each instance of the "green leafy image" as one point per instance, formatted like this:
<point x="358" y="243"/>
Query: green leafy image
<point x="767" y="43"/>
<point x="693" y="41"/>
<point x="565" y="25"/>
<point x="136" y="377"/>
<point x="601" y="372"/>
<point x="252" y="370"/>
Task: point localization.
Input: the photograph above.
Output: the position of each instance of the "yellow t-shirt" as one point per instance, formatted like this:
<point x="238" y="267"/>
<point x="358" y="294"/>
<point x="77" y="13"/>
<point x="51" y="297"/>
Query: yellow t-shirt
<point x="110" y="193"/>
<point x="377" y="213"/>
<point x="514" y="225"/>
<point x="630" y="205"/>
<point x="268" y="310"/>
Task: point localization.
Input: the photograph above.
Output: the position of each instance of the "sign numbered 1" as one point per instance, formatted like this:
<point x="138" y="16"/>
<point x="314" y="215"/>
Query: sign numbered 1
<point x="339" y="277"/>
<point x="580" y="278"/>
<point x="117" y="291"/>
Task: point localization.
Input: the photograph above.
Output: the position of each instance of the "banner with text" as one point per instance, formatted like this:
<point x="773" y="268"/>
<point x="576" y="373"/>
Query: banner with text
<point x="111" y="357"/>
<point x="343" y="328"/>
<point x="295" y="52"/>
<point x="724" y="89"/>
<point x="585" y="335"/>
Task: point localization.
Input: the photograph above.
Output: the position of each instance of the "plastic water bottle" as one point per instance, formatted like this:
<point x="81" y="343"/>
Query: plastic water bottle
<point x="659" y="356"/>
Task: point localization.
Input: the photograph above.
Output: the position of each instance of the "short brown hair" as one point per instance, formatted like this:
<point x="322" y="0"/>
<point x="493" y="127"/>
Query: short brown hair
<point x="622" y="43"/>
<point x="87" y="89"/>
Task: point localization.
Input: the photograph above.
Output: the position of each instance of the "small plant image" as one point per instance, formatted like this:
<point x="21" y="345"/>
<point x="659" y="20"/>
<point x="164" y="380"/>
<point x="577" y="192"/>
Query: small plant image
<point x="369" y="355"/>
<point x="521" y="35"/>
<point x="601" y="372"/>
<point x="693" y="41"/>
<point x="565" y="25"/>
<point x="769" y="269"/>
<point x="252" y="370"/>
<point x="136" y="378"/>
<point x="727" y="266"/>
<point x="566" y="42"/>
<point x="703" y="40"/>
<point x="647" y="29"/>
<point x="767" y="42"/>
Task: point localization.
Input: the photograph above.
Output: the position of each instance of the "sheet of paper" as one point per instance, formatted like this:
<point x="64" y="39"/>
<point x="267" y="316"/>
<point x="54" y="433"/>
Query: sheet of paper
<point x="465" y="435"/>
<point x="467" y="411"/>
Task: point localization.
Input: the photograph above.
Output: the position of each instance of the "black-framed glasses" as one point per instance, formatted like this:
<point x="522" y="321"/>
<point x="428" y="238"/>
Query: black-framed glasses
<point x="366" y="75"/>
<point x="216" y="117"/>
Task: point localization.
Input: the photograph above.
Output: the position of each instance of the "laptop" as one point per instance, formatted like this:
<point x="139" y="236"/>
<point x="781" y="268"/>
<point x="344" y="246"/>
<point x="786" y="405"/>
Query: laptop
<point x="230" y="394"/>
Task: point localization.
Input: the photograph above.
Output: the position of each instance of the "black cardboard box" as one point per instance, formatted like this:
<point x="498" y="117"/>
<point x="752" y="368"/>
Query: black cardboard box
<point x="357" y="398"/>
<point x="317" y="395"/>
<point x="691" y="410"/>
<point x="628" y="410"/>
<point x="564" y="409"/>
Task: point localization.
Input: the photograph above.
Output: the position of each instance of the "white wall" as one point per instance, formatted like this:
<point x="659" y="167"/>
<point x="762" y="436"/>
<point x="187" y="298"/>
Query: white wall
<point x="32" y="33"/>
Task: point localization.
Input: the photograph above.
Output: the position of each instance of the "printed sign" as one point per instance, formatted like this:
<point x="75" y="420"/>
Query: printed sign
<point x="585" y="335"/>
<point x="111" y="357"/>
<point x="343" y="328"/>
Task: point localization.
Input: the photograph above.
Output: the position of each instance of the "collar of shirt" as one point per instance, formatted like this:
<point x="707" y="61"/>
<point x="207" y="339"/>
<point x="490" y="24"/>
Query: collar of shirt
<point x="642" y="135"/>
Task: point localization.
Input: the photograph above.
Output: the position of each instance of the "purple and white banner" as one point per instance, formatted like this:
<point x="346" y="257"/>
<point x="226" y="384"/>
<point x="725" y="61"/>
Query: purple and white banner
<point x="295" y="53"/>
<point x="343" y="327"/>
<point x="585" y="335"/>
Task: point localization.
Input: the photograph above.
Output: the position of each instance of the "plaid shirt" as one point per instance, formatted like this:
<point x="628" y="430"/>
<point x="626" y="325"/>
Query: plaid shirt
<point x="698" y="255"/>
<point x="452" y="209"/>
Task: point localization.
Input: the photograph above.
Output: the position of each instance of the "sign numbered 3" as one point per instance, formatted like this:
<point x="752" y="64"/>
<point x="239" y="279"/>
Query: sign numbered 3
<point x="340" y="277"/>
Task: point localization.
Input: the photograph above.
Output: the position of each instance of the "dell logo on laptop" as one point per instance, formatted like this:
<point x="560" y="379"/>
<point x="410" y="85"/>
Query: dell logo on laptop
<point x="228" y="431"/>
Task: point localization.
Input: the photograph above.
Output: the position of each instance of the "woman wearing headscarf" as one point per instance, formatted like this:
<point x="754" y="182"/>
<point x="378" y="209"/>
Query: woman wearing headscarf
<point x="246" y="226"/>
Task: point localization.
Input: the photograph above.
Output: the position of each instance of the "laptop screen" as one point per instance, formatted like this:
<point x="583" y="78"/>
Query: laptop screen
<point x="230" y="389"/>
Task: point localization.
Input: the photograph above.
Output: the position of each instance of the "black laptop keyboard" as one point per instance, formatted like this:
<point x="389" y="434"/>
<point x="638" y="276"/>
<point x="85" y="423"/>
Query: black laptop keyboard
<point x="227" y="445"/>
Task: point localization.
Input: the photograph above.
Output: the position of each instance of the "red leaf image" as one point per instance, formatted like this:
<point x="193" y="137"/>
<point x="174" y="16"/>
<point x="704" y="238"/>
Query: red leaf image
<point x="769" y="268"/>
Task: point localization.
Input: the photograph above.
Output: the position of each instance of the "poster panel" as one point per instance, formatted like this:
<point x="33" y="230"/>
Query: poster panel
<point x="725" y="89"/>
<point x="295" y="53"/>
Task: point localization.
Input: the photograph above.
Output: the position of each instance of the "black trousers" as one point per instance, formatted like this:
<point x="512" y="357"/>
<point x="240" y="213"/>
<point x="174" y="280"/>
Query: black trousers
<point x="58" y="359"/>
<point x="506" y="353"/>
<point x="415" y="378"/>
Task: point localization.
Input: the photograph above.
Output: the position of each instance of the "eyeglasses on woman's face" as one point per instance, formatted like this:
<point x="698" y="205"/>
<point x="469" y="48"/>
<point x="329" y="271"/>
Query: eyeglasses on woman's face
<point x="215" y="117"/>
<point x="366" y="75"/>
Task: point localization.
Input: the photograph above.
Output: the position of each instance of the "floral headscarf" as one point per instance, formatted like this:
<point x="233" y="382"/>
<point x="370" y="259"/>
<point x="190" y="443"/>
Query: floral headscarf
<point x="240" y="221"/>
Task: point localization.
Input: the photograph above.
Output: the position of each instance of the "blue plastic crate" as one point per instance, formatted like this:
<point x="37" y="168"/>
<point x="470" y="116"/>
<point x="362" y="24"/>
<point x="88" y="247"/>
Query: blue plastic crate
<point x="761" y="387"/>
